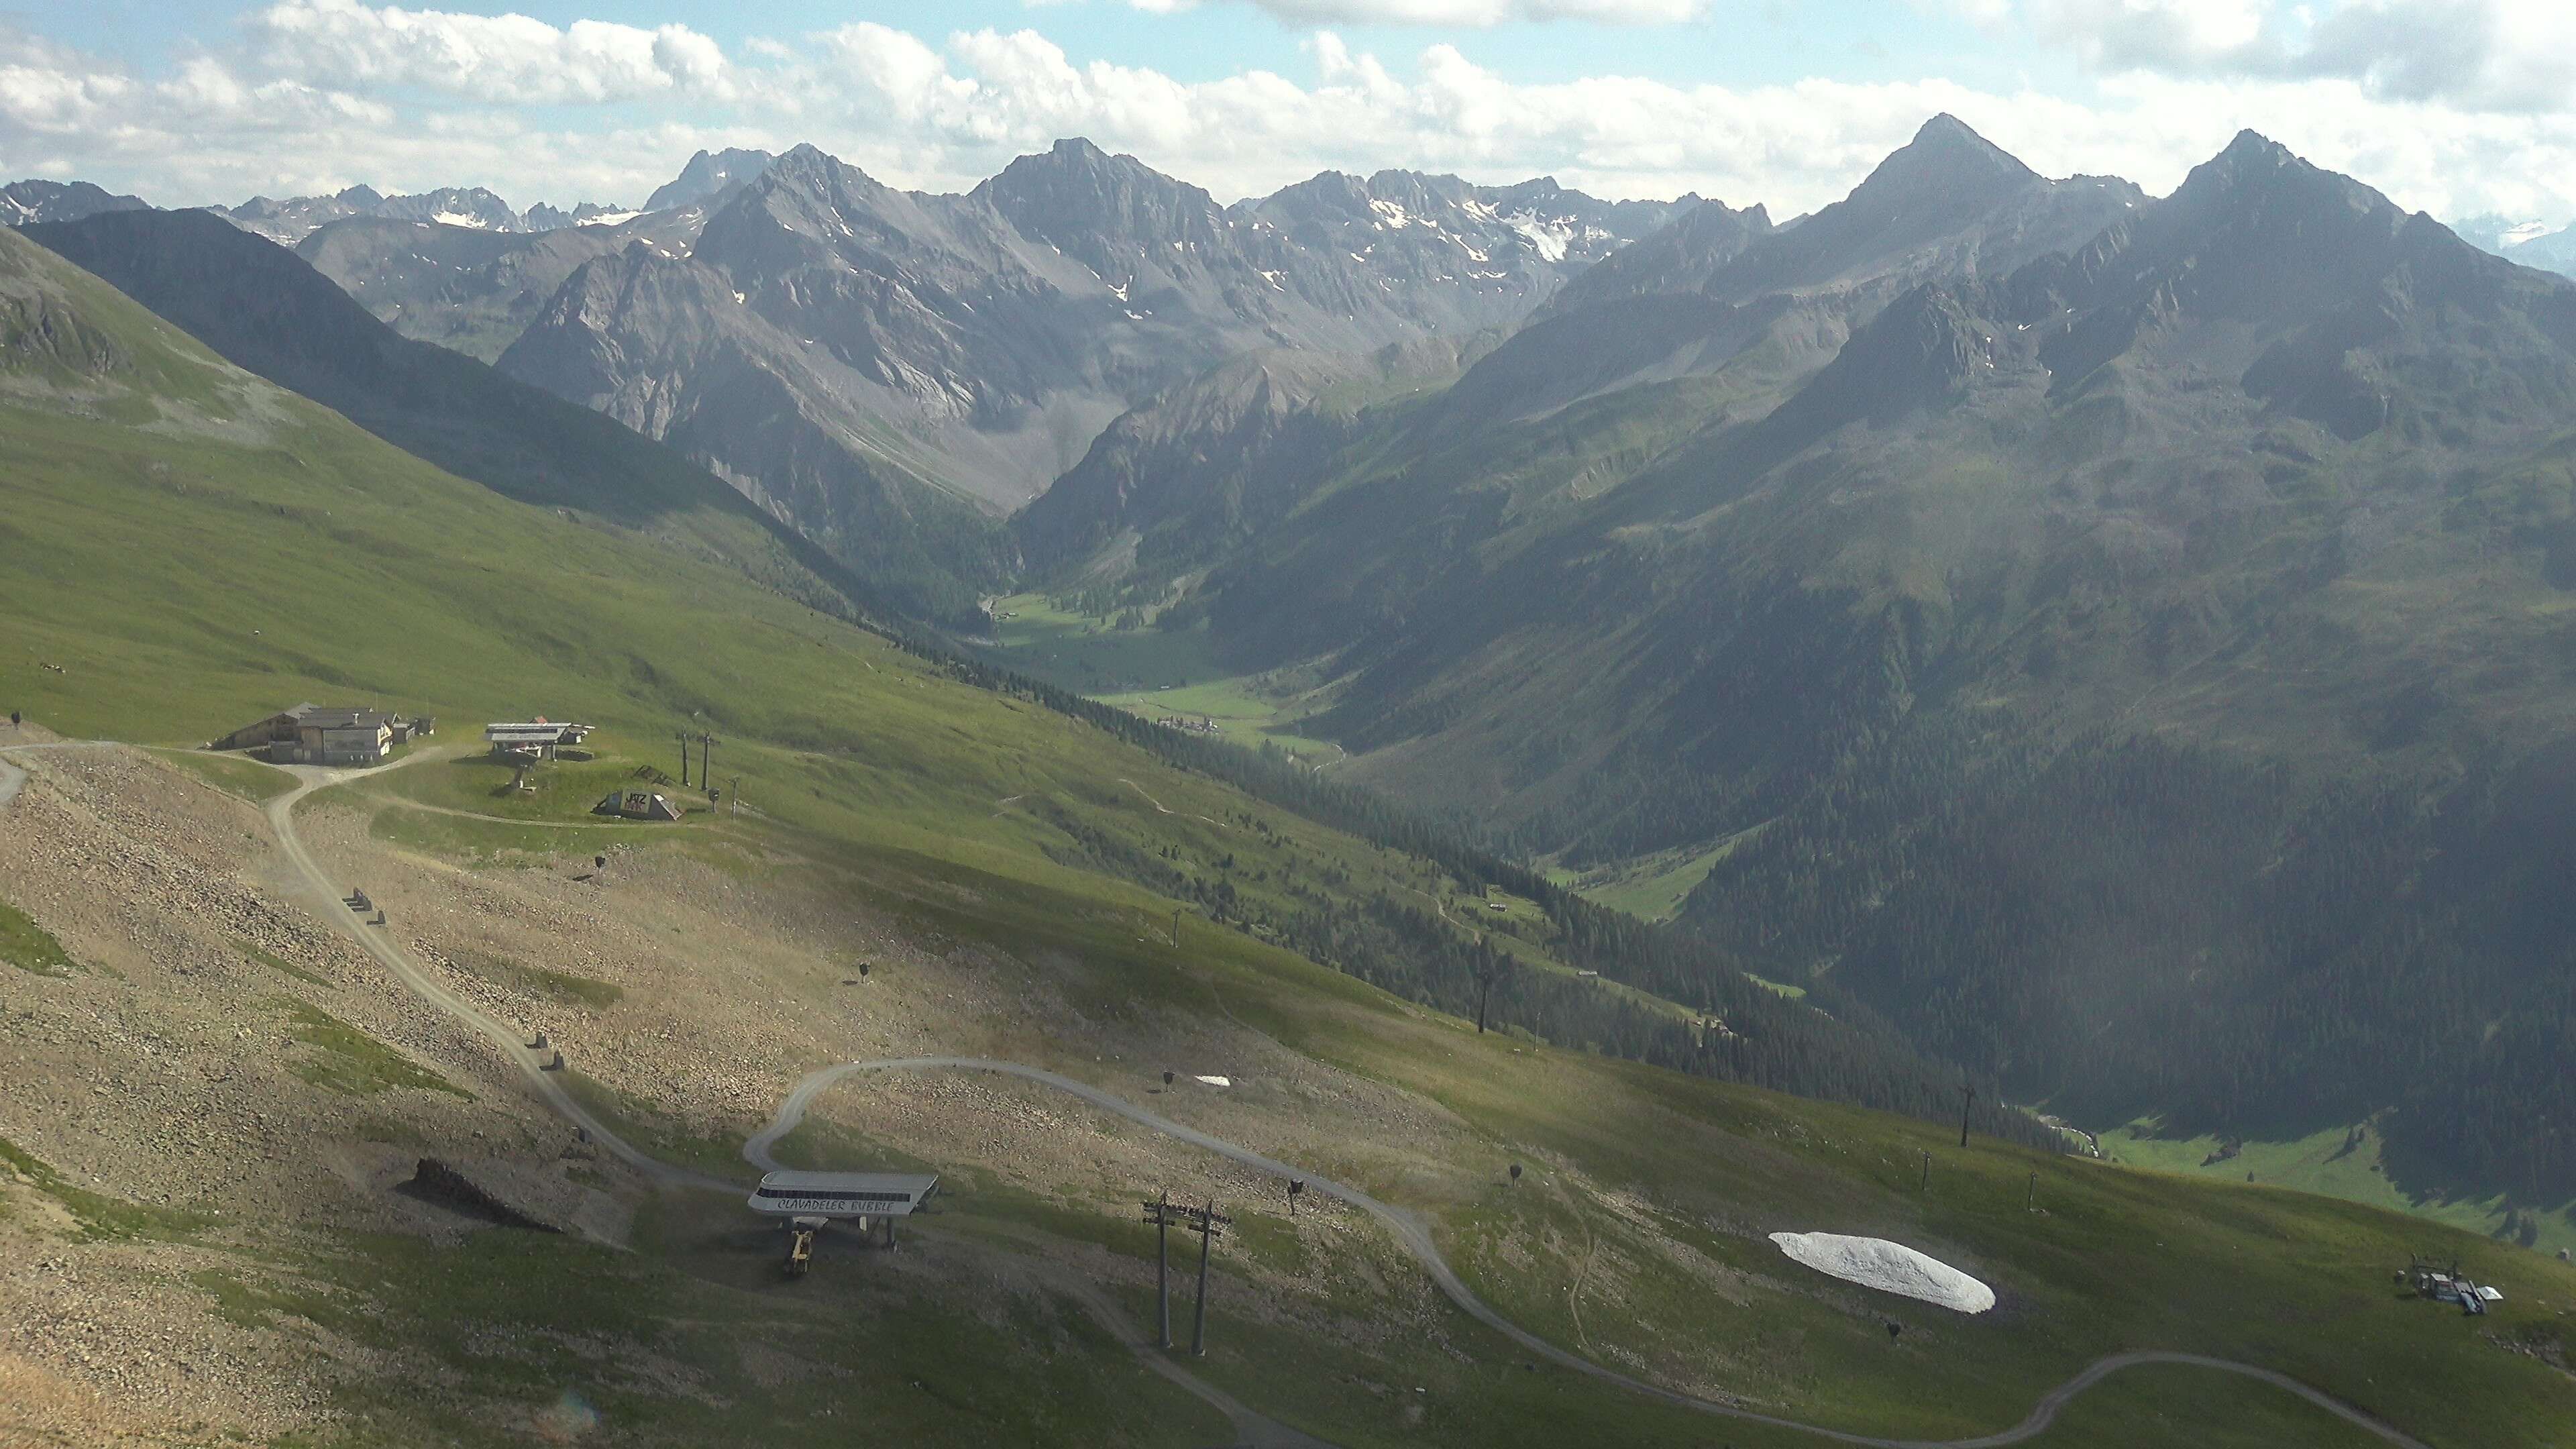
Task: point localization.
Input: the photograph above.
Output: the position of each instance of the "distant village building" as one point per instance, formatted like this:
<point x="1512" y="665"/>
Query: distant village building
<point x="637" y="805"/>
<point x="311" y="735"/>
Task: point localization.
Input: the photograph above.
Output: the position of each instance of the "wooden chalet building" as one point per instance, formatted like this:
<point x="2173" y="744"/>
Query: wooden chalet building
<point x="309" y="734"/>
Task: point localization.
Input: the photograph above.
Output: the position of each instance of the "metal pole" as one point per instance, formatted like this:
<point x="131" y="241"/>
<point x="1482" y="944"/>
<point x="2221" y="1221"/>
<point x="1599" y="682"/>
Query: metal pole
<point x="1163" y="1267"/>
<point x="684" y="758"/>
<point x="1964" y="1108"/>
<point x="1927" y="1169"/>
<point x="733" y="786"/>
<point x="2030" y="1199"/>
<point x="1198" y="1317"/>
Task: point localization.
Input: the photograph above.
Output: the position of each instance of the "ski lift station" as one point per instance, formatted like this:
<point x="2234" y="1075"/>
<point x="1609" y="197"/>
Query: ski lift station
<point x="815" y="1197"/>
<point x="533" y="738"/>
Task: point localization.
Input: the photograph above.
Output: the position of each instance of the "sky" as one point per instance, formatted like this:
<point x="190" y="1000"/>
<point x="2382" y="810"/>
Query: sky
<point x="2457" y="107"/>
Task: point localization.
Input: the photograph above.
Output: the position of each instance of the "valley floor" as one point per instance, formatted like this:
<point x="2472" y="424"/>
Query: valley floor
<point x="1156" y="674"/>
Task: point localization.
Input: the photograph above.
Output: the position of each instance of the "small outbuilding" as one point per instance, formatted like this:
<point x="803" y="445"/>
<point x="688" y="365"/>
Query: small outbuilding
<point x="637" y="805"/>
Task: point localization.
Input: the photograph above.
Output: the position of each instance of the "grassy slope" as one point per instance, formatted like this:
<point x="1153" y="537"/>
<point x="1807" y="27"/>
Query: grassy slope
<point x="528" y="1320"/>
<point x="2118" y="1259"/>
<point x="369" y="576"/>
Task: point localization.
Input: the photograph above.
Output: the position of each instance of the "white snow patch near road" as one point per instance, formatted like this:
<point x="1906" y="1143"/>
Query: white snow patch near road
<point x="1889" y="1267"/>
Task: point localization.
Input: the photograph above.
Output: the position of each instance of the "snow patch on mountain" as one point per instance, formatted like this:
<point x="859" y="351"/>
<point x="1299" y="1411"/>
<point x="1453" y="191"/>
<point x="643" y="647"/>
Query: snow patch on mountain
<point x="1549" y="237"/>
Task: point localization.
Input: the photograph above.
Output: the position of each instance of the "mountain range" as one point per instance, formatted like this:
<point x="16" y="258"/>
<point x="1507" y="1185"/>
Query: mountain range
<point x="291" y="220"/>
<point x="893" y="369"/>
<point x="2114" y="638"/>
<point x="890" y="372"/>
<point x="2015" y="600"/>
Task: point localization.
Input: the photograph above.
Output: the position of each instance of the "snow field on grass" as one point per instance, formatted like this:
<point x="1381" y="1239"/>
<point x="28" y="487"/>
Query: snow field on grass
<point x="1889" y="1267"/>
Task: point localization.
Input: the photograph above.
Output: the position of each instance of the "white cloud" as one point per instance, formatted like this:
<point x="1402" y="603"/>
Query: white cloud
<point x="2151" y="33"/>
<point x="503" y="58"/>
<point x="943" y="112"/>
<point x="2501" y="55"/>
<point x="1794" y="147"/>
<point x="1458" y="12"/>
<point x="47" y="91"/>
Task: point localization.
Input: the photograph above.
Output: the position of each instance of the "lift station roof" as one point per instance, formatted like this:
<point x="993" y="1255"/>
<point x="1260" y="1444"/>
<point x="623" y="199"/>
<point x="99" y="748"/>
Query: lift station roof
<point x="843" y="1194"/>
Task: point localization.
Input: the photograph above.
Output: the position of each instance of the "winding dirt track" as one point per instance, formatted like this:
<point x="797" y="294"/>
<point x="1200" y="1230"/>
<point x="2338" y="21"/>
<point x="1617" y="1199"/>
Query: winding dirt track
<point x="1408" y="1229"/>
<point x="1415" y="1235"/>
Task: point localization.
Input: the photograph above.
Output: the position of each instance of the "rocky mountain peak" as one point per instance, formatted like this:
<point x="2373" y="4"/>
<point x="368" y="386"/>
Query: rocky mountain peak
<point x="2258" y="175"/>
<point x="1944" y="156"/>
<point x="804" y="162"/>
<point x="2253" y="148"/>
<point x="1090" y="184"/>
<point x="806" y="177"/>
<point x="2255" y="230"/>
<point x="1102" y="208"/>
<point x="707" y="176"/>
